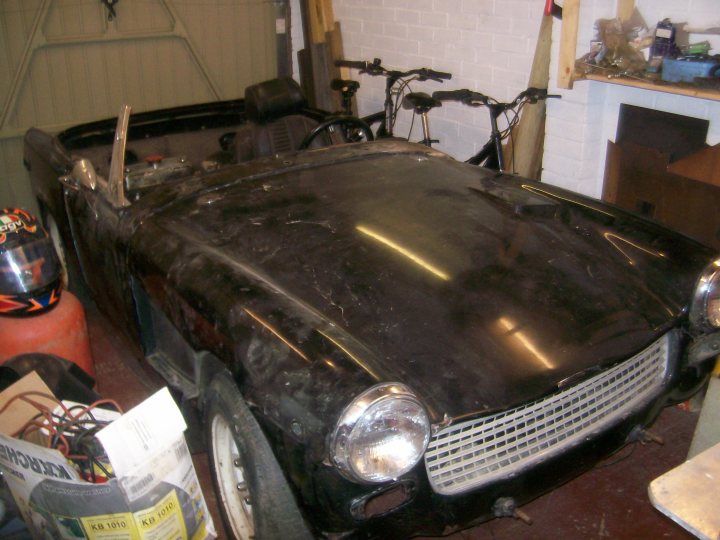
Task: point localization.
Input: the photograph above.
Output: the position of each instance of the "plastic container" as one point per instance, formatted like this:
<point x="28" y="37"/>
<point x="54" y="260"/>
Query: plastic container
<point x="685" y="69"/>
<point x="62" y="331"/>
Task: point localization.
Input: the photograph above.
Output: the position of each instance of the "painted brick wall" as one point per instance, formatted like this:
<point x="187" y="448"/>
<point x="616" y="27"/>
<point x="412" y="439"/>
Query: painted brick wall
<point x="488" y="45"/>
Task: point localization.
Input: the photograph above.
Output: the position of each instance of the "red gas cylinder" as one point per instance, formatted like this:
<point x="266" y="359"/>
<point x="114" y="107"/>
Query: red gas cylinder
<point x="61" y="331"/>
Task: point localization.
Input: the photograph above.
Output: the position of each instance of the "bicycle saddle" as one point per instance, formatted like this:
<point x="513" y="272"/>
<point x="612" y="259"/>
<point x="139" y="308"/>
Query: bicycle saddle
<point x="345" y="85"/>
<point x="420" y="102"/>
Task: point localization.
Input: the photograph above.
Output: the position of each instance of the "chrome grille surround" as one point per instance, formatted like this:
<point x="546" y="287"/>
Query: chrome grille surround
<point x="476" y="452"/>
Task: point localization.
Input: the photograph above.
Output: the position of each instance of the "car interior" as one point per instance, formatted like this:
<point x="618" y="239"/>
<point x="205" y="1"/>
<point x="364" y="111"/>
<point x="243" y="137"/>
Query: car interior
<point x="277" y="121"/>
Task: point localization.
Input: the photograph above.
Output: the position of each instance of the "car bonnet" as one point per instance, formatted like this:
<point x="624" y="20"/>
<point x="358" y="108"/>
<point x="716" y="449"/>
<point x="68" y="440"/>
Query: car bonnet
<point x="479" y="291"/>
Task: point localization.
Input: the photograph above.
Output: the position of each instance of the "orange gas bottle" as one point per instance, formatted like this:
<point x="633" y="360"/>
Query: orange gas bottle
<point x="61" y="331"/>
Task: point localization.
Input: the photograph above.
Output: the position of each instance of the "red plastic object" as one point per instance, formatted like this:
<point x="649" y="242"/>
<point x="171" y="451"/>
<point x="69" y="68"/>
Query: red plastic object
<point x="551" y="8"/>
<point x="62" y="331"/>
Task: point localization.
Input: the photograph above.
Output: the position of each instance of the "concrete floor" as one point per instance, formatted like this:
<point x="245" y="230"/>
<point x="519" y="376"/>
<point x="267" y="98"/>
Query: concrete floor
<point x="609" y="502"/>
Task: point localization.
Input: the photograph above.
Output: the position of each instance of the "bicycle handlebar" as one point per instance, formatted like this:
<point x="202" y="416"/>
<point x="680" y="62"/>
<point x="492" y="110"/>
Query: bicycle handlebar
<point x="533" y="94"/>
<point x="355" y="64"/>
<point x="375" y="68"/>
<point x="468" y="97"/>
<point x="425" y="73"/>
<point x="465" y="96"/>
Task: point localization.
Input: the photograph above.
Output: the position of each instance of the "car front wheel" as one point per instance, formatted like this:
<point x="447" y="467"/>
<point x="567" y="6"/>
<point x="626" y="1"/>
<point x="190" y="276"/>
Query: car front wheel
<point x="255" y="500"/>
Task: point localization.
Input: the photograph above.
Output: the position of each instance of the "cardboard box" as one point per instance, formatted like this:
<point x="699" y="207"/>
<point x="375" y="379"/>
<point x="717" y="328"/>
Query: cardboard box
<point x="155" y="494"/>
<point x="684" y="195"/>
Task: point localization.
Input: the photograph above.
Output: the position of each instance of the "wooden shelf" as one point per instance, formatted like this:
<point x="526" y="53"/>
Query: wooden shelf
<point x="670" y="88"/>
<point x="566" y="63"/>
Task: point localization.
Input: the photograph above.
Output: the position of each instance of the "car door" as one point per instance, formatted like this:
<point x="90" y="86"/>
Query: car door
<point x="101" y="247"/>
<point x="98" y="214"/>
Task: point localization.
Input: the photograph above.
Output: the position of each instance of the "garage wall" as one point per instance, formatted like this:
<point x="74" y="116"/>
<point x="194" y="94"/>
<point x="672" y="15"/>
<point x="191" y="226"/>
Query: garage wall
<point x="488" y="46"/>
<point x="62" y="62"/>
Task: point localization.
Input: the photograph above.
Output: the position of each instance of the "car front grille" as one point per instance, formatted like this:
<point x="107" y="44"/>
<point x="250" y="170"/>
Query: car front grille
<point x="476" y="452"/>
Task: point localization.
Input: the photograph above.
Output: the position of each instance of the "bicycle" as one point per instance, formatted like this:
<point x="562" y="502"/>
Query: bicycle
<point x="491" y="154"/>
<point x="355" y="129"/>
<point x="396" y="84"/>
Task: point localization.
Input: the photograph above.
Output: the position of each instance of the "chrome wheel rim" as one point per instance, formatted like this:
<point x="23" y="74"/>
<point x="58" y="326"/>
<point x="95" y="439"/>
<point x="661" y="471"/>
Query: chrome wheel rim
<point x="232" y="485"/>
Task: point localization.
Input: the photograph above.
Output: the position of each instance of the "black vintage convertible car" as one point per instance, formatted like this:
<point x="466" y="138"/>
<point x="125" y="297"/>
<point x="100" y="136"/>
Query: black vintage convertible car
<point x="384" y="341"/>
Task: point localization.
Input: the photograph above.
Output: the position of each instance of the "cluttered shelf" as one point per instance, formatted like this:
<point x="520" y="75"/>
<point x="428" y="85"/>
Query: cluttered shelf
<point x="659" y="86"/>
<point x="688" y="62"/>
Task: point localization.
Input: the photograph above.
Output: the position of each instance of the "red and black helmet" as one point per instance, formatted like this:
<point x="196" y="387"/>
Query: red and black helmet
<point x="30" y="272"/>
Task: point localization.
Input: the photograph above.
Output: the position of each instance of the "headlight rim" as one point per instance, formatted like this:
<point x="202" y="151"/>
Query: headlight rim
<point x="354" y="411"/>
<point x="699" y="309"/>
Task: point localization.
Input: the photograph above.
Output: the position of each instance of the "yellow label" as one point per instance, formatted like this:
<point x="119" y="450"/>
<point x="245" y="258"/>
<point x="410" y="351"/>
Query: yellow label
<point x="110" y="527"/>
<point x="164" y="521"/>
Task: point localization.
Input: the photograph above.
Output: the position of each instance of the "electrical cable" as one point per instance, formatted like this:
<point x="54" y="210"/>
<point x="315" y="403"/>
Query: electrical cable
<point x="72" y="430"/>
<point x="400" y="92"/>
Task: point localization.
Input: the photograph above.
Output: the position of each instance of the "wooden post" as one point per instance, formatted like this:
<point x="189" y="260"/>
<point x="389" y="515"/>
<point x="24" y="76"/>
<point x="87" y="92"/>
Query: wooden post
<point x="328" y="15"/>
<point x="525" y="153"/>
<point x="568" y="43"/>
<point x="625" y="9"/>
<point x="317" y="24"/>
<point x="323" y="45"/>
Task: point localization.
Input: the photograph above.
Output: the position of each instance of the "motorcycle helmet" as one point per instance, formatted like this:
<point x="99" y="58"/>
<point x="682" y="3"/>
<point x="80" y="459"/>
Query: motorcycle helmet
<point x="30" y="271"/>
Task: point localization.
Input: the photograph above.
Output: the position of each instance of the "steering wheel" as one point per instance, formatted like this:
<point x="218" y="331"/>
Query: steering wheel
<point x="348" y="122"/>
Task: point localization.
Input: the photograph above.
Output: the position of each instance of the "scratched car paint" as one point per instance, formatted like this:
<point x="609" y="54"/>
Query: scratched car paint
<point x="430" y="293"/>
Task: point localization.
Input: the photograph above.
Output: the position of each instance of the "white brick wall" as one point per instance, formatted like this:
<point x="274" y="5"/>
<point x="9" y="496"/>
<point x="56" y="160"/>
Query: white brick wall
<point x="488" y="46"/>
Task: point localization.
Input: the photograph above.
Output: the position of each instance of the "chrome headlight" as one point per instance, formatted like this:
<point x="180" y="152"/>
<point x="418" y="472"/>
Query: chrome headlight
<point x="381" y="435"/>
<point x="705" y="310"/>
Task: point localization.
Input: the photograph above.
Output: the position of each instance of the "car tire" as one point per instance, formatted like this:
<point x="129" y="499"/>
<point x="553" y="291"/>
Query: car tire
<point x="254" y="497"/>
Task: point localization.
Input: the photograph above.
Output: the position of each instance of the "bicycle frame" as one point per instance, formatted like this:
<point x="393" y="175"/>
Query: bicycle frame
<point x="389" y="108"/>
<point x="392" y="77"/>
<point x="491" y="154"/>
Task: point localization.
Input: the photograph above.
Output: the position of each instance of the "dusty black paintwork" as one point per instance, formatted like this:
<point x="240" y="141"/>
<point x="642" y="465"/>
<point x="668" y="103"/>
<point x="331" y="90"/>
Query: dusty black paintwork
<point x="313" y="276"/>
<point x="561" y="277"/>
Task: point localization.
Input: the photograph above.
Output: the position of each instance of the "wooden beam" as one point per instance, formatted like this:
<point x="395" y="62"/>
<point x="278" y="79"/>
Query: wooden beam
<point x="321" y="62"/>
<point x="625" y="9"/>
<point x="306" y="74"/>
<point x="526" y="152"/>
<point x="334" y="40"/>
<point x="316" y="21"/>
<point x="568" y="43"/>
<point x="328" y="15"/>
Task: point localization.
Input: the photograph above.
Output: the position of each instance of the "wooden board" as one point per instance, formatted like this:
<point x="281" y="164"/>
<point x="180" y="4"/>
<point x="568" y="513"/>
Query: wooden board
<point x="321" y="63"/>
<point x="323" y="45"/>
<point x="689" y="494"/>
<point x="306" y="75"/>
<point x="334" y="40"/>
<point x="525" y="155"/>
<point x="568" y="43"/>
<point x="703" y="166"/>
<point x="316" y="21"/>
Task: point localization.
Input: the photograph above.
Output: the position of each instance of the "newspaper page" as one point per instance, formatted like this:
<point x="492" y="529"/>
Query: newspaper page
<point x="156" y="497"/>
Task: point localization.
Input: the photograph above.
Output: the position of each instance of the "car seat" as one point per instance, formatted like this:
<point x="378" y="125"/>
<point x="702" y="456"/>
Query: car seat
<point x="275" y="123"/>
